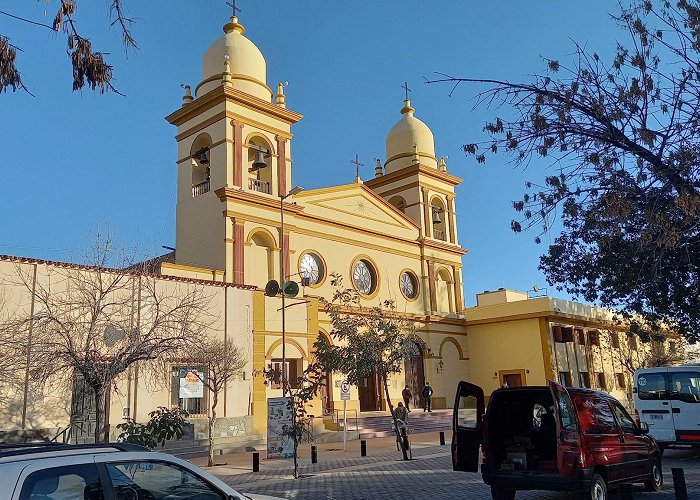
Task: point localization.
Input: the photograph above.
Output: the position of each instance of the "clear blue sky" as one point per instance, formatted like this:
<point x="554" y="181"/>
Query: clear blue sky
<point x="76" y="161"/>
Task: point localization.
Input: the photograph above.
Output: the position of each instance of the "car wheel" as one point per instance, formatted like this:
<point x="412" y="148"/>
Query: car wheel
<point x="657" y="477"/>
<point x="501" y="493"/>
<point x="599" y="489"/>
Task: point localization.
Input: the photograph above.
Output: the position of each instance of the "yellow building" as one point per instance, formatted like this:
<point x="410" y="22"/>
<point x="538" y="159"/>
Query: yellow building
<point x="240" y="223"/>
<point x="391" y="237"/>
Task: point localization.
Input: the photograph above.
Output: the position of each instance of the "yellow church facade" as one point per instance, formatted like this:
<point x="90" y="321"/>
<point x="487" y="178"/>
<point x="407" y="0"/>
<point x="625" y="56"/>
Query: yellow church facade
<point x="241" y="223"/>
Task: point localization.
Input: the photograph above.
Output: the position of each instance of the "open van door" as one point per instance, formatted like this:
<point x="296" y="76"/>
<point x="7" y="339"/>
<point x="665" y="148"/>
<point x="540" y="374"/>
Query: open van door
<point x="568" y="437"/>
<point x="467" y="422"/>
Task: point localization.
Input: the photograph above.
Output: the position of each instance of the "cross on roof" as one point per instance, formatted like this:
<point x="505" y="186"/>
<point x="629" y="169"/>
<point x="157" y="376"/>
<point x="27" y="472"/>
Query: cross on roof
<point x="235" y="9"/>
<point x="405" y="87"/>
<point x="357" y="164"/>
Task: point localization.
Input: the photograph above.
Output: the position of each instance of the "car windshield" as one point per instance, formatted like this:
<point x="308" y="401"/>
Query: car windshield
<point x="146" y="480"/>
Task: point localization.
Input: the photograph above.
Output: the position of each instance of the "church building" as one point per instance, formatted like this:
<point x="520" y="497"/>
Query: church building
<point x="241" y="223"/>
<point x="240" y="220"/>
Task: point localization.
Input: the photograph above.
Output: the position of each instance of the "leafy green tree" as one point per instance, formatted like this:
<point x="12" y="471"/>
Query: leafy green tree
<point x="366" y="341"/>
<point x="164" y="424"/>
<point x="623" y="134"/>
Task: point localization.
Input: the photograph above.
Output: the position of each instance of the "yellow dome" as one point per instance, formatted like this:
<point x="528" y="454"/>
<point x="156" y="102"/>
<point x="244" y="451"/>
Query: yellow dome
<point x="409" y="141"/>
<point x="248" y="67"/>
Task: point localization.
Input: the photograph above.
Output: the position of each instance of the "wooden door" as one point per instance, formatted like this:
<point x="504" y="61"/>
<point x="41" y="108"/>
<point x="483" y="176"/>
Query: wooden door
<point x="415" y="375"/>
<point x="326" y="392"/>
<point x="370" y="399"/>
<point x="83" y="418"/>
<point x="513" y="379"/>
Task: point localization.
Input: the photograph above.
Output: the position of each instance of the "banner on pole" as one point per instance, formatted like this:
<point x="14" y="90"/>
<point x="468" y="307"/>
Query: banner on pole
<point x="280" y="423"/>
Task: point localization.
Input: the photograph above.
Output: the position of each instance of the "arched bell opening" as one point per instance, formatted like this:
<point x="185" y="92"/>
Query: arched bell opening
<point x="200" y="154"/>
<point x="399" y="202"/>
<point x="438" y="219"/>
<point x="260" y="165"/>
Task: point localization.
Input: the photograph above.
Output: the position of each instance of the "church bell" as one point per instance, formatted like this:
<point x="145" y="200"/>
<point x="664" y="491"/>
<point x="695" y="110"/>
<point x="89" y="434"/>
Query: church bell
<point x="259" y="161"/>
<point x="201" y="156"/>
<point x="436" y="215"/>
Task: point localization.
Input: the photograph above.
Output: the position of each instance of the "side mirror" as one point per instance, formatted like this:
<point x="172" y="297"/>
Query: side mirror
<point x="643" y="428"/>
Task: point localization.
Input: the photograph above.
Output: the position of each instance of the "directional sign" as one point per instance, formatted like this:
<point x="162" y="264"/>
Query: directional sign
<point x="344" y="391"/>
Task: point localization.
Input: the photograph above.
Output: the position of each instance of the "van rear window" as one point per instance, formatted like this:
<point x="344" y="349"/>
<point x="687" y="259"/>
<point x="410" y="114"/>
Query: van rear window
<point x="651" y="386"/>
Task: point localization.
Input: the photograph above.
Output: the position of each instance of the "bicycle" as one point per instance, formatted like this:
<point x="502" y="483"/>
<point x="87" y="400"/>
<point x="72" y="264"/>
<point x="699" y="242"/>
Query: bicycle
<point x="402" y="438"/>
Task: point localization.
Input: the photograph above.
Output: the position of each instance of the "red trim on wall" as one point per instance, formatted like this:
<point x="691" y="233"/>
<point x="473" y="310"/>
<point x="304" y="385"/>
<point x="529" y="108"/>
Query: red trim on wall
<point x="238" y="155"/>
<point x="282" y="165"/>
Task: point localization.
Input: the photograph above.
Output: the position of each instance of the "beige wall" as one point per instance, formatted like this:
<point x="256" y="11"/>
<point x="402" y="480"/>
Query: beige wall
<point x="505" y="346"/>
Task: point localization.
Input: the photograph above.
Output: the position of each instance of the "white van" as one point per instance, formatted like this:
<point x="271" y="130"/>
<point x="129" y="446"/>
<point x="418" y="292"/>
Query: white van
<point x="668" y="400"/>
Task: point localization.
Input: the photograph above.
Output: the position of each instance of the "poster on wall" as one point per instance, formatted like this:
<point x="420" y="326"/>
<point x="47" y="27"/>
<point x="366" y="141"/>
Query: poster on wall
<point x="280" y="421"/>
<point x="191" y="384"/>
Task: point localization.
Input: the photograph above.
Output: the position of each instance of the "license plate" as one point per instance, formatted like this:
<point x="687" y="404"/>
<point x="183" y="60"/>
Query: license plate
<point x="656" y="417"/>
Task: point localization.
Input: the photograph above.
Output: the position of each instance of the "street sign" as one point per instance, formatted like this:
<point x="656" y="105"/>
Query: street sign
<point x="344" y="391"/>
<point x="345" y="397"/>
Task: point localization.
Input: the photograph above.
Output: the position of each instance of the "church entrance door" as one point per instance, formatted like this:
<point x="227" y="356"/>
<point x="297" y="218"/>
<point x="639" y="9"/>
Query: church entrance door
<point x="326" y="393"/>
<point x="370" y="393"/>
<point x="415" y="376"/>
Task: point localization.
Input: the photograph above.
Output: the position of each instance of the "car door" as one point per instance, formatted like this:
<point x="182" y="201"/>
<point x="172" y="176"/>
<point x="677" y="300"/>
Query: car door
<point x="685" y="404"/>
<point x="634" y="444"/>
<point x="72" y="480"/>
<point x="467" y="427"/>
<point x="568" y="436"/>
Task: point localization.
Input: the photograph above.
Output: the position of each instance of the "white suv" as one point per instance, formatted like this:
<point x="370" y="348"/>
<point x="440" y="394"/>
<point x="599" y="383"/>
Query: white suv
<point x="105" y="472"/>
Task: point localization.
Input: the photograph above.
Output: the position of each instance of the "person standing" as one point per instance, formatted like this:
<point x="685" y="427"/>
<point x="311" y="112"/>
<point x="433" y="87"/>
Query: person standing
<point x="427" y="394"/>
<point x="407" y="396"/>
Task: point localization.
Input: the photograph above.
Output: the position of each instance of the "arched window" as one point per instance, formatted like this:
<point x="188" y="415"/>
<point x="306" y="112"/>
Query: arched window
<point x="444" y="291"/>
<point x="200" y="152"/>
<point x="260" y="178"/>
<point x="260" y="258"/>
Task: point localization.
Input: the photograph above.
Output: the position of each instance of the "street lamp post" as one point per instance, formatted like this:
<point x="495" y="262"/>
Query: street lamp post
<point x="283" y="258"/>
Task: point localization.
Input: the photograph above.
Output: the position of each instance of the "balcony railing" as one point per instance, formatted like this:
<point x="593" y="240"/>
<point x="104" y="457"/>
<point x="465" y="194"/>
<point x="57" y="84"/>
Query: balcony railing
<point x="439" y="234"/>
<point x="259" y="186"/>
<point x="201" y="188"/>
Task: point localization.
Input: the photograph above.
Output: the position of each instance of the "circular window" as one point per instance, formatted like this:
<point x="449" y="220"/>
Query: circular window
<point x="409" y="285"/>
<point x="311" y="268"/>
<point x="364" y="277"/>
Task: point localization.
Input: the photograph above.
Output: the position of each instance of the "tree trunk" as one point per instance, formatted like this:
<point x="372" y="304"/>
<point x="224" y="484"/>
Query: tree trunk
<point x="101" y="414"/>
<point x="212" y="420"/>
<point x="385" y="382"/>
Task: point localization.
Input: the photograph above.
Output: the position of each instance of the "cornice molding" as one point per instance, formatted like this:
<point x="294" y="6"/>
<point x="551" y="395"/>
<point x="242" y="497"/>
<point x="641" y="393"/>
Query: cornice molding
<point x="221" y="94"/>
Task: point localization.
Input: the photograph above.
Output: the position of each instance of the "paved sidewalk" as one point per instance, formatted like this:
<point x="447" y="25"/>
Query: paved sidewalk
<point x="344" y="475"/>
<point x="330" y="457"/>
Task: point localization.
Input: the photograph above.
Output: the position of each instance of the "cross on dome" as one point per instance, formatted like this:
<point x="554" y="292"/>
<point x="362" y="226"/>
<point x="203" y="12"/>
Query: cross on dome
<point x="235" y="9"/>
<point x="405" y="87"/>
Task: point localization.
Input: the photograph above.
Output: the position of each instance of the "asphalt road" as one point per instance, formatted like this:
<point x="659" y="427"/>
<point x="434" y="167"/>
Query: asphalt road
<point x="384" y="476"/>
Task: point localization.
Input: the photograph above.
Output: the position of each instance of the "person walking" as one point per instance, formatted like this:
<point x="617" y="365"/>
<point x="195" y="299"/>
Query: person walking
<point x="407" y="396"/>
<point x="427" y="394"/>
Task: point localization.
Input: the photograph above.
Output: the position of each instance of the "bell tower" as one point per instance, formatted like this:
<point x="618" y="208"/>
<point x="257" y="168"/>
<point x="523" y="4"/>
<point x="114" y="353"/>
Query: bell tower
<point x="415" y="182"/>
<point x="234" y="154"/>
